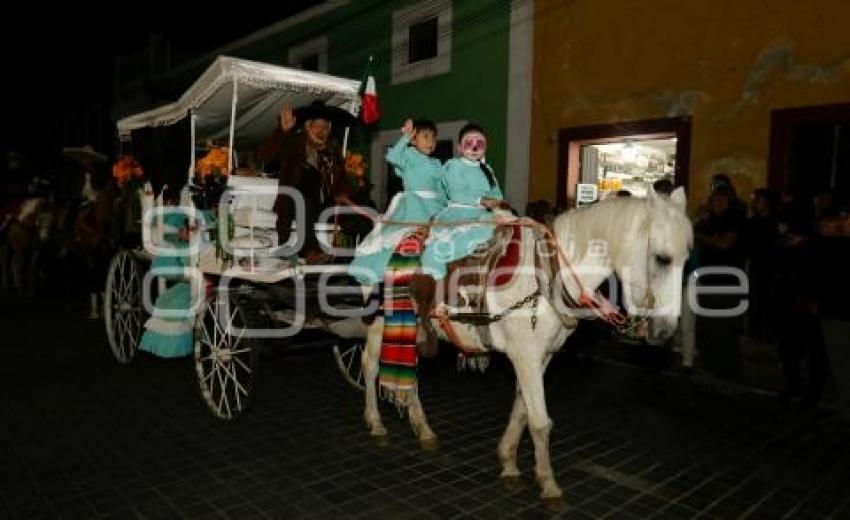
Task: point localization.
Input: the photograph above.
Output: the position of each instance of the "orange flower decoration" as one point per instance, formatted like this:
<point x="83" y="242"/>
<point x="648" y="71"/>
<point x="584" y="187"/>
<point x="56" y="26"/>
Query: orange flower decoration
<point x="126" y="168"/>
<point x="214" y="162"/>
<point x="355" y="165"/>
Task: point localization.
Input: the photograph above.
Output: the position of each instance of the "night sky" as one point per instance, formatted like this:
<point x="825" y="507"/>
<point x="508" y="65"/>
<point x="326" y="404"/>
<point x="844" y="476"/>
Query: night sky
<point x="57" y="59"/>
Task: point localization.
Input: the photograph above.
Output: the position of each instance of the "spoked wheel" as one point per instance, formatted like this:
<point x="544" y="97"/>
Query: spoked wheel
<point x="226" y="362"/>
<point x="348" y="360"/>
<point x="122" y="306"/>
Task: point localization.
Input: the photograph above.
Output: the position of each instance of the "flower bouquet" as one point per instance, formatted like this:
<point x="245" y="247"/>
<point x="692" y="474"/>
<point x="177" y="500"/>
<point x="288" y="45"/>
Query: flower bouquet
<point x="355" y="166"/>
<point x="211" y="173"/>
<point x="353" y="226"/>
<point x="126" y="169"/>
<point x="129" y="177"/>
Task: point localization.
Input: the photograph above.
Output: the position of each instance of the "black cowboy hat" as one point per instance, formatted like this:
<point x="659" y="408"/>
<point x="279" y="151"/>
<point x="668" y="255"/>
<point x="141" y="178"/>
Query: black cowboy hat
<point x="319" y="110"/>
<point x="82" y="153"/>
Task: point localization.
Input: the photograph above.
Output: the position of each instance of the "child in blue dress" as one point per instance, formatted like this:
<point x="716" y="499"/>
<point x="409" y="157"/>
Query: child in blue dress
<point x="420" y="200"/>
<point x="168" y="333"/>
<point x="473" y="193"/>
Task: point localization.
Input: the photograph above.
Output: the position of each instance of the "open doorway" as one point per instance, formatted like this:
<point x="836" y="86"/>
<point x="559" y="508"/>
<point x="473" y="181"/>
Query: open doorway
<point x="623" y="158"/>
<point x="810" y="153"/>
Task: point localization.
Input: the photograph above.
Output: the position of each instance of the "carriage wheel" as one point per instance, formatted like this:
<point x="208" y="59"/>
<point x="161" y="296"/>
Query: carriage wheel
<point x="226" y="362"/>
<point x="348" y="361"/>
<point x="122" y="306"/>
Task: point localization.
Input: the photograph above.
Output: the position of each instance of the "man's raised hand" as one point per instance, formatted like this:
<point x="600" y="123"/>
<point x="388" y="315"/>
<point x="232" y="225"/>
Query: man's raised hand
<point x="287" y="117"/>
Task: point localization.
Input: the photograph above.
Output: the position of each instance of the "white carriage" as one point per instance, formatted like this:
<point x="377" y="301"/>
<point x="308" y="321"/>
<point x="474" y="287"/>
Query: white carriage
<point x="249" y="297"/>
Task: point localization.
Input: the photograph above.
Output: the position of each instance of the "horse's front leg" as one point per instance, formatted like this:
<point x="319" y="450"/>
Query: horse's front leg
<point x="529" y="369"/>
<point x="369" y="363"/>
<point x="419" y="423"/>
<point x="509" y="443"/>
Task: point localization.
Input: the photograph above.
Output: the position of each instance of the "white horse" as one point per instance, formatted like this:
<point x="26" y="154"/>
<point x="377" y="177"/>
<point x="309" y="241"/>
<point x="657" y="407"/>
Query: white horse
<point x="644" y="241"/>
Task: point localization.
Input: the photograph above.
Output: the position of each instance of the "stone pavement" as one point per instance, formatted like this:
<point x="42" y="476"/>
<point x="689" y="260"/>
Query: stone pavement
<point x="83" y="437"/>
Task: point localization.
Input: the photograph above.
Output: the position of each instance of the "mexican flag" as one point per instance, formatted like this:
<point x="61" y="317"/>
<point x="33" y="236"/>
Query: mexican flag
<point x="369" y="111"/>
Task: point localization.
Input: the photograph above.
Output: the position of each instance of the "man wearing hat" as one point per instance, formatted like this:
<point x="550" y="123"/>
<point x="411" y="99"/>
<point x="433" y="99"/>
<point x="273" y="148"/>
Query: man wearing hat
<point x="91" y="229"/>
<point x="309" y="162"/>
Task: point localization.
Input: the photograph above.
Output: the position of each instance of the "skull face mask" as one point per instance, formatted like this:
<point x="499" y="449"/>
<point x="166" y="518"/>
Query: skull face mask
<point x="473" y="145"/>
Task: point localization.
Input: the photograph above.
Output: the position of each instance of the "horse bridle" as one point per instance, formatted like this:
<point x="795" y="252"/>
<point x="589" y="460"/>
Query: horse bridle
<point x="605" y="310"/>
<point x="647" y="304"/>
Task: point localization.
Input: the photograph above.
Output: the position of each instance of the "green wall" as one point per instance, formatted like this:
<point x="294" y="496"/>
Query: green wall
<point x="475" y="88"/>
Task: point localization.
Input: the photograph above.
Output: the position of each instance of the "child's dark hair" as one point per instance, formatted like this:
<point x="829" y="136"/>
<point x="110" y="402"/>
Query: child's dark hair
<point x="424" y="124"/>
<point x="467" y="128"/>
<point x="472" y="127"/>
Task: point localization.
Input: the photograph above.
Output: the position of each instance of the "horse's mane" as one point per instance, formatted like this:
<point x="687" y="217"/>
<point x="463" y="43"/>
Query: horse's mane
<point x="577" y="228"/>
<point x="614" y="221"/>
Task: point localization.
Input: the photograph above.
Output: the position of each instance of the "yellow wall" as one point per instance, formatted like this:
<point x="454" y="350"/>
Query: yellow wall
<point x="727" y="63"/>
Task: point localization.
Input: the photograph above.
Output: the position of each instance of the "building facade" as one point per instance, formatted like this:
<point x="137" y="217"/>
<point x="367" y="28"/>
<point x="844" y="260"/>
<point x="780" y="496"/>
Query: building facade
<point x="757" y="90"/>
<point x="446" y="60"/>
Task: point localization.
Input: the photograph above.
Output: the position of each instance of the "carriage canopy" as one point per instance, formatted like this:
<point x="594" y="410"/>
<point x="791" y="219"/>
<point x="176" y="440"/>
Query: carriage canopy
<point x="237" y="101"/>
<point x="260" y="90"/>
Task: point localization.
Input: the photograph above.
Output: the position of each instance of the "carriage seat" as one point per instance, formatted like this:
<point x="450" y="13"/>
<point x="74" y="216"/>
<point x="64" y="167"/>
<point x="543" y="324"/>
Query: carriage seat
<point x="255" y="221"/>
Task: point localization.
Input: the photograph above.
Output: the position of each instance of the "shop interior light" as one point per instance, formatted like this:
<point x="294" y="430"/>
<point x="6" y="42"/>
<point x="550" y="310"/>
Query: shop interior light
<point x="629" y="152"/>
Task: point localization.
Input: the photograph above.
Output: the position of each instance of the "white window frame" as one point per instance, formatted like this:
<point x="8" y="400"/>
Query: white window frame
<point x="317" y="46"/>
<point x="402" y="70"/>
<point x="446" y="130"/>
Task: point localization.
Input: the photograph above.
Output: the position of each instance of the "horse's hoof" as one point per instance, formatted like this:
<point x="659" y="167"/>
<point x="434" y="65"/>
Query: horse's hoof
<point x="381" y="441"/>
<point x="430" y="444"/>
<point x="375" y="430"/>
<point x="555" y="504"/>
<point x="513" y="484"/>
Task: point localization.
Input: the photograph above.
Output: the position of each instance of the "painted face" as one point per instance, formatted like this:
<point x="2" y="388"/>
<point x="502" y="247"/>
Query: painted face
<point x="473" y="145"/>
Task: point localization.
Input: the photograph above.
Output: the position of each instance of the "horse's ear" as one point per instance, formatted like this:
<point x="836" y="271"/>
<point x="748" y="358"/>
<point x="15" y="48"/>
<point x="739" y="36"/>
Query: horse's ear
<point x="679" y="199"/>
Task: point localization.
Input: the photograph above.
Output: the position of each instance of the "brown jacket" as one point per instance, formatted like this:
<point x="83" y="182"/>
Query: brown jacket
<point x="286" y="153"/>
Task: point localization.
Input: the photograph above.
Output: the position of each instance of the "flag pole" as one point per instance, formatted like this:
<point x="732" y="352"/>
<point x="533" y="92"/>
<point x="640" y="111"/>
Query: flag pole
<point x="355" y="104"/>
<point x="345" y="141"/>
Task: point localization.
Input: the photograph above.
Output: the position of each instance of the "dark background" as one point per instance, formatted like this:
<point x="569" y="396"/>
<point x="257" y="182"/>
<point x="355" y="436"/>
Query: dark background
<point x="58" y="59"/>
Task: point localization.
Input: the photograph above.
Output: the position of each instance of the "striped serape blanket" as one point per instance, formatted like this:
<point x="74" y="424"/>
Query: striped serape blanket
<point x="397" y="370"/>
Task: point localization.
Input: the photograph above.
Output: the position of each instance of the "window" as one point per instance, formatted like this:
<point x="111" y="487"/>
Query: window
<point x="421" y="41"/>
<point x="311" y="55"/>
<point x="310" y="63"/>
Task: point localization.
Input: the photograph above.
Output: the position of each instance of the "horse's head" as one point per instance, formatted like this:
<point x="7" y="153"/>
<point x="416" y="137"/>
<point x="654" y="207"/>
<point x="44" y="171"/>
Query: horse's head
<point x="651" y="270"/>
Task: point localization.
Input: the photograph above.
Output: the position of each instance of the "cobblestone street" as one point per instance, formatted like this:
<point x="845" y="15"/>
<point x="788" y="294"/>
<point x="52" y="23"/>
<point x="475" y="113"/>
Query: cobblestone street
<point x="83" y="437"/>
